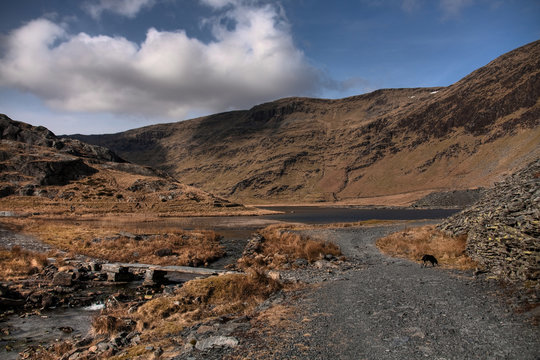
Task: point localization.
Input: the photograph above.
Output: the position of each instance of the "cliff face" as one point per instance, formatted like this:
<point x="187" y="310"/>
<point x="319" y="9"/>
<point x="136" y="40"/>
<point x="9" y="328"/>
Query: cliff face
<point x="391" y="141"/>
<point x="503" y="228"/>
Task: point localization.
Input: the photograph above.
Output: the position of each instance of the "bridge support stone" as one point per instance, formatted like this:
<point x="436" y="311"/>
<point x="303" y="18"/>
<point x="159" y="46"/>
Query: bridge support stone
<point x="153" y="276"/>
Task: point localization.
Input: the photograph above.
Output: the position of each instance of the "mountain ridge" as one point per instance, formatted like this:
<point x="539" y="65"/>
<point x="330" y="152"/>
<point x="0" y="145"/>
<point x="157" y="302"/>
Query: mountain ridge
<point x="388" y="142"/>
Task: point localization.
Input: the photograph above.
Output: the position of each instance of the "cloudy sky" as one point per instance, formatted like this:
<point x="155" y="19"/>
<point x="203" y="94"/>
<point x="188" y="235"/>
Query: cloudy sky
<point x="101" y="66"/>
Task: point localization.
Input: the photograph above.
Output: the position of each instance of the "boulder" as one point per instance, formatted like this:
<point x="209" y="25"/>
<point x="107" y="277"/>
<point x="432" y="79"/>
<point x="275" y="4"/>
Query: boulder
<point x="163" y="252"/>
<point x="216" y="341"/>
<point x="63" y="279"/>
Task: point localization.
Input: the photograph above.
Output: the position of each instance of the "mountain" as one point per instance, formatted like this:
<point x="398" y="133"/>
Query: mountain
<point x="42" y="173"/>
<point x="395" y="143"/>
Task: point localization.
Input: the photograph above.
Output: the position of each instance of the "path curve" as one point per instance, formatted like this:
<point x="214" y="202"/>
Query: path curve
<point x="394" y="309"/>
<point x="8" y="239"/>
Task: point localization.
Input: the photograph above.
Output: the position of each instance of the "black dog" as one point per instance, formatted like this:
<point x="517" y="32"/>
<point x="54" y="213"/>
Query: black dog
<point x="429" y="258"/>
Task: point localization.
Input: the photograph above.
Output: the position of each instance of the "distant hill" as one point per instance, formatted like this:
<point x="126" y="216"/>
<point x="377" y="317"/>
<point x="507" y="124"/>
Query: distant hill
<point x="388" y="142"/>
<point x="42" y="173"/>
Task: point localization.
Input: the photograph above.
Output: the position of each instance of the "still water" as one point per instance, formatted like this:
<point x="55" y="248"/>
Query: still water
<point x="325" y="215"/>
<point x="235" y="230"/>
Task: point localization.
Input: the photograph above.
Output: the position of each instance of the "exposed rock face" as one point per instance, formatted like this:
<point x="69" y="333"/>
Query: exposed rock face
<point x="41" y="136"/>
<point x="388" y="142"/>
<point x="59" y="172"/>
<point x="504" y="227"/>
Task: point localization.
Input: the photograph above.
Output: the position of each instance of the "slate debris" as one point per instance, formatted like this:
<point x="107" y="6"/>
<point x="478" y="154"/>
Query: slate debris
<point x="503" y="229"/>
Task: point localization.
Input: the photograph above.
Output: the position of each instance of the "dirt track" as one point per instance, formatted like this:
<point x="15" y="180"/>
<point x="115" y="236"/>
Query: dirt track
<point x="8" y="239"/>
<point x="394" y="309"/>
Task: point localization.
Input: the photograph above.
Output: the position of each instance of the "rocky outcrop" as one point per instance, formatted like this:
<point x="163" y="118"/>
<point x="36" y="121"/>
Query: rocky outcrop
<point x="450" y="199"/>
<point x="40" y="136"/>
<point x="503" y="228"/>
<point x="59" y="172"/>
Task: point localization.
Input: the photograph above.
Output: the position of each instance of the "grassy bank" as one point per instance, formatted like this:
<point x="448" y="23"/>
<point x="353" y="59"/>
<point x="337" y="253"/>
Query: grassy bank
<point x="413" y="243"/>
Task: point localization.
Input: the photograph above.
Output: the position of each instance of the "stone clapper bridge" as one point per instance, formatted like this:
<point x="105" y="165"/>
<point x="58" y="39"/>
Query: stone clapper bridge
<point x="153" y="274"/>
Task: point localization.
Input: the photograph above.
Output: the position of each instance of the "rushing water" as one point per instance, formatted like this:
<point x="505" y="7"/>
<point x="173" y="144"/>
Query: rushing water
<point x="44" y="328"/>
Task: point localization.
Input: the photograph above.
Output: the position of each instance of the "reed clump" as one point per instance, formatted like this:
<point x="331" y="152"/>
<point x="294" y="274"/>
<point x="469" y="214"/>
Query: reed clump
<point x="18" y="263"/>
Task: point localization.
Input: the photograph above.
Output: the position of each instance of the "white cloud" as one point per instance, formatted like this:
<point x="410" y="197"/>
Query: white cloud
<point x="452" y="8"/>
<point x="128" y="8"/>
<point x="218" y="4"/>
<point x="167" y="75"/>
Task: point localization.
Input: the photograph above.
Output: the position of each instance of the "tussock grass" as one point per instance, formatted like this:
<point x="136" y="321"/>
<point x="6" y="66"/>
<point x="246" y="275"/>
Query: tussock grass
<point x="103" y="240"/>
<point x="197" y="300"/>
<point x="110" y="325"/>
<point x="193" y="249"/>
<point x="413" y="243"/>
<point x="295" y="245"/>
<point x="19" y="263"/>
<point x="339" y="225"/>
<point x="281" y="247"/>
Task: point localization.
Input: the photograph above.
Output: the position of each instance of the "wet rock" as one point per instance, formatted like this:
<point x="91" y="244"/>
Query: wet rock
<point x="66" y="329"/>
<point x="48" y="301"/>
<point x="84" y="342"/>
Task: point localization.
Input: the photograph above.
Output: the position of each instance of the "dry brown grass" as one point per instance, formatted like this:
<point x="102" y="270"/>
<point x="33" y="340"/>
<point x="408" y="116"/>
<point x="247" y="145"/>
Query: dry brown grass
<point x="295" y="245"/>
<point x="191" y="249"/>
<point x="104" y="239"/>
<point x="197" y="300"/>
<point x="110" y="325"/>
<point x="281" y="247"/>
<point x="338" y="225"/>
<point x="413" y="243"/>
<point x="18" y="263"/>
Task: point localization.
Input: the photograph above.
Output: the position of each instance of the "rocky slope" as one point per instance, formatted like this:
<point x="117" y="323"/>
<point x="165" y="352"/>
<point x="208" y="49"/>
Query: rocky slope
<point x="390" y="141"/>
<point x="503" y="228"/>
<point x="450" y="199"/>
<point x="40" y="172"/>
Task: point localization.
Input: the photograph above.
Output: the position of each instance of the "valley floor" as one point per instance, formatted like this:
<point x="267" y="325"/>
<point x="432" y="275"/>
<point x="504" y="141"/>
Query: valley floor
<point x="387" y="308"/>
<point x="372" y="307"/>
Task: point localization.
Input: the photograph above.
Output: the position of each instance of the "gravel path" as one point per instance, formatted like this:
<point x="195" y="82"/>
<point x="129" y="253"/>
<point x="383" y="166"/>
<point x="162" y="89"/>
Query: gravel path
<point x="394" y="309"/>
<point x="8" y="239"/>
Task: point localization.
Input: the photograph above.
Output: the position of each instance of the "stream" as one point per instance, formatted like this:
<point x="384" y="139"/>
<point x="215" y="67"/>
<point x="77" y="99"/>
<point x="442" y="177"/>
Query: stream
<point x="36" y="329"/>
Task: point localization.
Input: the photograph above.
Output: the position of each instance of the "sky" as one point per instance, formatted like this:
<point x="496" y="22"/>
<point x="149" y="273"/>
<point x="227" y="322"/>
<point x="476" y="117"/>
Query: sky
<point x="104" y="66"/>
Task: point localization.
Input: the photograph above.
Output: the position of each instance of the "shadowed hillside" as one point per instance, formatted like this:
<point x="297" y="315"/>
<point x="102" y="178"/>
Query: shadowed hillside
<point x="45" y="175"/>
<point x="400" y="142"/>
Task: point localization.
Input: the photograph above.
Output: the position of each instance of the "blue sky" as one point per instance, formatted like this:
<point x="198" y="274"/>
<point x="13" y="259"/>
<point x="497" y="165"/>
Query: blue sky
<point x="101" y="66"/>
